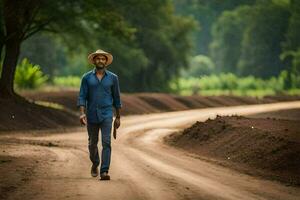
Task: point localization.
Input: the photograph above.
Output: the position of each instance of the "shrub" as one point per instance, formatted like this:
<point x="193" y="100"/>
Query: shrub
<point x="29" y="75"/>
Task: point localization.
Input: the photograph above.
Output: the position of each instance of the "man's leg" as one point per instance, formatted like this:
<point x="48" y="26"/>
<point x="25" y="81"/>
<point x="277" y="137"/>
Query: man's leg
<point x="93" y="133"/>
<point x="106" y="126"/>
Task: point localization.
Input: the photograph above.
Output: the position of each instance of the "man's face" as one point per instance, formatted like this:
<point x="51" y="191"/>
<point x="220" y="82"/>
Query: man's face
<point x="100" y="61"/>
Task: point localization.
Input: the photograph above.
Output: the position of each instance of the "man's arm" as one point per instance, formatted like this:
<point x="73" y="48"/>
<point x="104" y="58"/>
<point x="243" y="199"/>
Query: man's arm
<point x="116" y="94"/>
<point x="82" y="110"/>
<point x="117" y="101"/>
<point x="118" y="115"/>
<point x="81" y="102"/>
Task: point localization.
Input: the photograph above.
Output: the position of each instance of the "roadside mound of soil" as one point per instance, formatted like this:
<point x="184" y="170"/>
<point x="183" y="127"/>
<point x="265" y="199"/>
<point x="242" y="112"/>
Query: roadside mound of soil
<point x="141" y="103"/>
<point x="30" y="116"/>
<point x="266" y="147"/>
<point x="23" y="115"/>
<point x="289" y="114"/>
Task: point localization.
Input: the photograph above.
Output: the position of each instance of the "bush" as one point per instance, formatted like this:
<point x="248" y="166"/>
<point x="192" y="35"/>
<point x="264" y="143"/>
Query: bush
<point x="199" y="65"/>
<point x="29" y="75"/>
<point x="67" y="81"/>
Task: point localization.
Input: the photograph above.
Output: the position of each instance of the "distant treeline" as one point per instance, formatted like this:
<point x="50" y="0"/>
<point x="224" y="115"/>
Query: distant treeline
<point x="245" y="37"/>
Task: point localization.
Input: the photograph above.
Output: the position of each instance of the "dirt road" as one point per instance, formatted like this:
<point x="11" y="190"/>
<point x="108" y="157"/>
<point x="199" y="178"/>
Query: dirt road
<point x="56" y="166"/>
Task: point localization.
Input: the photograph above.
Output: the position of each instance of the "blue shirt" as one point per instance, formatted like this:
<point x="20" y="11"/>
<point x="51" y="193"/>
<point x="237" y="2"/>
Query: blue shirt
<point x="99" y="96"/>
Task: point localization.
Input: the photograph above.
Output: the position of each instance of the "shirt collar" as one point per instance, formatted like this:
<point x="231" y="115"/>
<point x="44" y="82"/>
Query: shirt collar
<point x="94" y="71"/>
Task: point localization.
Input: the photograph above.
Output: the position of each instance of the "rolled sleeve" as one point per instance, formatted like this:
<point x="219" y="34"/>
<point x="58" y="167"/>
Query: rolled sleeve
<point x="82" y="97"/>
<point x="116" y="93"/>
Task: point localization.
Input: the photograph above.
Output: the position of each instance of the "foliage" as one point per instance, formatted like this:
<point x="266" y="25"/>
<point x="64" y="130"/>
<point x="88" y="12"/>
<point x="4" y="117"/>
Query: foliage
<point x="199" y="65"/>
<point x="206" y="12"/>
<point x="259" y="38"/>
<point x="29" y="75"/>
<point x="164" y="40"/>
<point x="247" y="40"/>
<point x="152" y="41"/>
<point x="227" y="34"/>
<point x="228" y="83"/>
<point x="145" y="37"/>
<point x="261" y="45"/>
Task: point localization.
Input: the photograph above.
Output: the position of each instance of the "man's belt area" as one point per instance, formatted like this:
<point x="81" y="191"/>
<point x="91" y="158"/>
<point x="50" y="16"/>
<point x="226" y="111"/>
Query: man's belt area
<point x="101" y="107"/>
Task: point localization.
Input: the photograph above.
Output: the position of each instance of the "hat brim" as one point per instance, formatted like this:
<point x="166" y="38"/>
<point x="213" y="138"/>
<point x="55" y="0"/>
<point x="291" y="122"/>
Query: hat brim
<point x="108" y="55"/>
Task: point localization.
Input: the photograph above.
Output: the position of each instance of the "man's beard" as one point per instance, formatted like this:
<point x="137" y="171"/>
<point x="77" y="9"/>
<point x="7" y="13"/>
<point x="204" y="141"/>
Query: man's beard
<point x="100" y="66"/>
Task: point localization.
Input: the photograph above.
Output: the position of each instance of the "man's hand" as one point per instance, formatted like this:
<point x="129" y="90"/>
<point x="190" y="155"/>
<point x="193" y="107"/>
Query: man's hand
<point x="117" y="122"/>
<point x="83" y="119"/>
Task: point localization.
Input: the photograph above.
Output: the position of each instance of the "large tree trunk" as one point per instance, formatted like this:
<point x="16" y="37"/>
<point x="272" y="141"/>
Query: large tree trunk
<point x="1" y="47"/>
<point x="12" y="50"/>
<point x="13" y="13"/>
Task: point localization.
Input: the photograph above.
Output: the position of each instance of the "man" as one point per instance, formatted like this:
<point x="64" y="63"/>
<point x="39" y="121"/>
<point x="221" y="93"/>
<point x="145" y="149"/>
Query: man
<point x="99" y="93"/>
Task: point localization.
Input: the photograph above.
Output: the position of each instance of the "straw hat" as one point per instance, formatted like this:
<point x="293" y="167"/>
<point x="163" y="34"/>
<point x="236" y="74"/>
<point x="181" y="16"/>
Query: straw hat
<point x="100" y="52"/>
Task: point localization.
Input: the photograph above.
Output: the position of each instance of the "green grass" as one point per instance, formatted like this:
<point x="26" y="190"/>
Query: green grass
<point x="67" y="81"/>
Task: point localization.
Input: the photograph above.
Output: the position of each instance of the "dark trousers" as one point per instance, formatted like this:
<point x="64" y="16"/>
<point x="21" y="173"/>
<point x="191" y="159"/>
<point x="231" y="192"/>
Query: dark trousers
<point x="93" y="133"/>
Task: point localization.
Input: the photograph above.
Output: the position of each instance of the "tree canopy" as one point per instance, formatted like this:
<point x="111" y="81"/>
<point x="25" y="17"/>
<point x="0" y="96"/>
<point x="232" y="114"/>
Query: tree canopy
<point x="146" y="37"/>
<point x="152" y="41"/>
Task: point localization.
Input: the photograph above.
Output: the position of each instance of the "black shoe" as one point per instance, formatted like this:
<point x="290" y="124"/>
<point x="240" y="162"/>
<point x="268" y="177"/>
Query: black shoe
<point x="104" y="176"/>
<point x="94" y="171"/>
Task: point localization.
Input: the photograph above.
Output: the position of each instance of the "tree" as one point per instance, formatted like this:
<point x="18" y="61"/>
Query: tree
<point x="2" y="34"/>
<point x="42" y="49"/>
<point x="147" y="36"/>
<point x="199" y="65"/>
<point x="261" y="45"/>
<point x="206" y="12"/>
<point x="164" y="39"/>
<point x="227" y="36"/>
<point x="22" y="19"/>
<point x="291" y="46"/>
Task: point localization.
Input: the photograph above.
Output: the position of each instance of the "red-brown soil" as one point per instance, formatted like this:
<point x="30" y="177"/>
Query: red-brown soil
<point x="38" y="165"/>
<point x="23" y="115"/>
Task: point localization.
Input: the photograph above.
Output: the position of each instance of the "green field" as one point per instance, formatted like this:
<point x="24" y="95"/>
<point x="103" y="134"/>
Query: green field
<point x="230" y="84"/>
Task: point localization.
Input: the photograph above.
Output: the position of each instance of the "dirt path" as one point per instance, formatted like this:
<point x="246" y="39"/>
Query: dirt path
<point x="56" y="166"/>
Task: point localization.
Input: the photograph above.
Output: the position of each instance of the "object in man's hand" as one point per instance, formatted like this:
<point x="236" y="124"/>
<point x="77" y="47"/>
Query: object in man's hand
<point x="115" y="133"/>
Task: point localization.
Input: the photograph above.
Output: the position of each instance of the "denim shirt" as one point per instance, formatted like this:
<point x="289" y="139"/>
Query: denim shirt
<point x="99" y="96"/>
